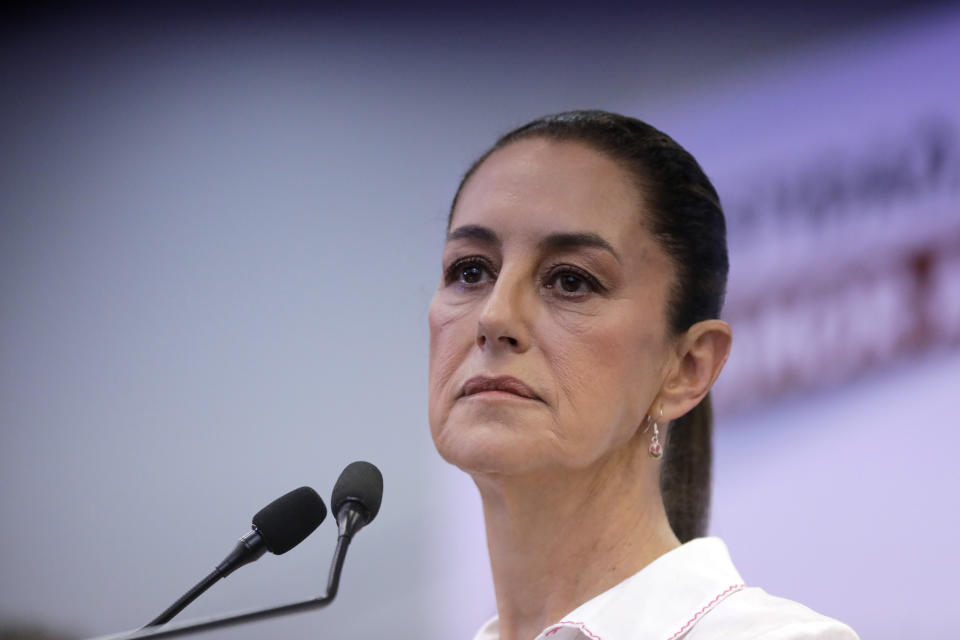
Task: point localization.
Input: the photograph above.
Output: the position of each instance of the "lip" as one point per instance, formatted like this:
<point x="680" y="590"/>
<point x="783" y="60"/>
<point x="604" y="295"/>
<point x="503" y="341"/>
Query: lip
<point x="506" y="384"/>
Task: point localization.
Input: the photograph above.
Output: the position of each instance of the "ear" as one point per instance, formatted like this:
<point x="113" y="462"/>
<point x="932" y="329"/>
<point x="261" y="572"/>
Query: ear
<point x="700" y="355"/>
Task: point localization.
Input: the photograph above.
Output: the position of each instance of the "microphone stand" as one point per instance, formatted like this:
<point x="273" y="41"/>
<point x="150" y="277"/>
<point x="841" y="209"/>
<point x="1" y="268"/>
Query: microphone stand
<point x="216" y="622"/>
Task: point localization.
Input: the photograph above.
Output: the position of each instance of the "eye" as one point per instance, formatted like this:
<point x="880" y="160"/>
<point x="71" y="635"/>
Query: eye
<point x="571" y="282"/>
<point x="469" y="271"/>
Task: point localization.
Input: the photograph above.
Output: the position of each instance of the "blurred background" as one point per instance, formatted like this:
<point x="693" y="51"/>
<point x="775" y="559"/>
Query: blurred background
<point x="220" y="231"/>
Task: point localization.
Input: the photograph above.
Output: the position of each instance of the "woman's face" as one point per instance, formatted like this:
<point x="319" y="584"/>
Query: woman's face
<point x="548" y="334"/>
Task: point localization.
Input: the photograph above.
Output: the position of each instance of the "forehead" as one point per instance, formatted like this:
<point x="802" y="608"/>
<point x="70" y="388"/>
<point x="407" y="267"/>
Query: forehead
<point x="538" y="185"/>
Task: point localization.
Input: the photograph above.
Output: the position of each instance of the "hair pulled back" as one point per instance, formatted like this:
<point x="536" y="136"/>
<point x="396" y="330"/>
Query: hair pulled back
<point x="682" y="211"/>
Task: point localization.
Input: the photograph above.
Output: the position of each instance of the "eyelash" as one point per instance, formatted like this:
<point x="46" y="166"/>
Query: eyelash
<point x="455" y="270"/>
<point x="454" y="273"/>
<point x="559" y="270"/>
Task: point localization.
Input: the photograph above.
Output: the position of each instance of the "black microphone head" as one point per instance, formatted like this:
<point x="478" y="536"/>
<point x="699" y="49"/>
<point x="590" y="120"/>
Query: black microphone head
<point x="288" y="520"/>
<point x="362" y="483"/>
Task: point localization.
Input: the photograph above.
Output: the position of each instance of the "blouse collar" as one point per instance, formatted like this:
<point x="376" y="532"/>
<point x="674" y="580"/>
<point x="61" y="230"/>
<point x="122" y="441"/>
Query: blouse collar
<point x="662" y="601"/>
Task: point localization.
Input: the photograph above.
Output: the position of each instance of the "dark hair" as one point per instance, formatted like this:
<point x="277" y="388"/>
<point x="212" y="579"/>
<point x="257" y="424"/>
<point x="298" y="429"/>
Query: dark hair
<point x="682" y="210"/>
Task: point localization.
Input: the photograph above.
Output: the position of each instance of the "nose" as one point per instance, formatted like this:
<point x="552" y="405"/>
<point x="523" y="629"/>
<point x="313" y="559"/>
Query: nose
<point x="505" y="316"/>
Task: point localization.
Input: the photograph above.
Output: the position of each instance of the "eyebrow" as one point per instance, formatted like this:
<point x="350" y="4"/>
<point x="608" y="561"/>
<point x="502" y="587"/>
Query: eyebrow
<point x="473" y="232"/>
<point x="561" y="241"/>
<point x="553" y="242"/>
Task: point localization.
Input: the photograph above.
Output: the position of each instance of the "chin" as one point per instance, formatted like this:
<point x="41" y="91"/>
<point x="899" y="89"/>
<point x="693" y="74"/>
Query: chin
<point x="488" y="448"/>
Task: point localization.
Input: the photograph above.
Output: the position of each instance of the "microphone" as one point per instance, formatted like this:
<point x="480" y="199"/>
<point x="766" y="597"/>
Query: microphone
<point x="277" y="528"/>
<point x="356" y="496"/>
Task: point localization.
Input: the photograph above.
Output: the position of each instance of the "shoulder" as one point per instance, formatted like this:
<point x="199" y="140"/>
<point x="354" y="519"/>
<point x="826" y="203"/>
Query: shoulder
<point x="753" y="613"/>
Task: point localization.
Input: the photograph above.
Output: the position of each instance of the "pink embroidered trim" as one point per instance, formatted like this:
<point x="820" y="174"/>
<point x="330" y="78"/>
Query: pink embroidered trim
<point x="710" y="605"/>
<point x="568" y="623"/>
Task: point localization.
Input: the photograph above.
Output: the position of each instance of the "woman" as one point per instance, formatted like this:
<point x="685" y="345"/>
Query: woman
<point x="573" y="341"/>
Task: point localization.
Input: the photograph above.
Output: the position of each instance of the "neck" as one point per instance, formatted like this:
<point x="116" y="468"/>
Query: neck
<point x="557" y="540"/>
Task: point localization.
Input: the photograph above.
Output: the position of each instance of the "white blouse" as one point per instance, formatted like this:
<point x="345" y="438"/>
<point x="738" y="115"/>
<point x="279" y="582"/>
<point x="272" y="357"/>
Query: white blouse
<point x="692" y="592"/>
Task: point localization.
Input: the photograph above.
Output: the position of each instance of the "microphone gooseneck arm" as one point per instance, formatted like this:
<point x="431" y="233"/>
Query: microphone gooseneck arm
<point x="178" y="606"/>
<point x="277" y="528"/>
<point x="217" y="622"/>
<point x="250" y="547"/>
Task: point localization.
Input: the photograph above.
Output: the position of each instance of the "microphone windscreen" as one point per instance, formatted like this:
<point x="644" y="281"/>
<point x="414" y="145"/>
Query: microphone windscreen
<point x="360" y="482"/>
<point x="288" y="520"/>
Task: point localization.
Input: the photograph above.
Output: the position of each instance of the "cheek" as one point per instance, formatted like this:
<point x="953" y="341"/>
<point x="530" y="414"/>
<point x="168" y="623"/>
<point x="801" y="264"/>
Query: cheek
<point x="607" y="376"/>
<point x="450" y="341"/>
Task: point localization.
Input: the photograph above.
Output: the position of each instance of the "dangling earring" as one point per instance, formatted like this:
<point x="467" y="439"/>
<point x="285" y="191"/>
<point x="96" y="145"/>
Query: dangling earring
<point x="656" y="449"/>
